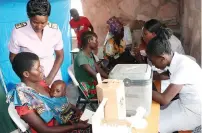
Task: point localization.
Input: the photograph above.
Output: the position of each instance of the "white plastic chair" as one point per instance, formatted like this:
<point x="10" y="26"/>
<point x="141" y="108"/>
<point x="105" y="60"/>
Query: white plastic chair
<point x="83" y="99"/>
<point x="23" y="127"/>
<point x="16" y="118"/>
<point x="74" y="52"/>
<point x="71" y="74"/>
<point x="12" y="112"/>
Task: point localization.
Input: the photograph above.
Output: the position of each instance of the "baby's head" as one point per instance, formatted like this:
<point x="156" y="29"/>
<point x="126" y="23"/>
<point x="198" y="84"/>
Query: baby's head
<point x="58" y="89"/>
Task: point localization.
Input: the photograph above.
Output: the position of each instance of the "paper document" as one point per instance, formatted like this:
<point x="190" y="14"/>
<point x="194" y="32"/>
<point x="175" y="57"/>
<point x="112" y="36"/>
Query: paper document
<point x="164" y="85"/>
<point x="87" y="115"/>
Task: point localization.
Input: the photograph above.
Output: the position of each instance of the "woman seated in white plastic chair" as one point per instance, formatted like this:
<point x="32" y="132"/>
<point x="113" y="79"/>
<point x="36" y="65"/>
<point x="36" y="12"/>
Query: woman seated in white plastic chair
<point x="32" y="100"/>
<point x="85" y="66"/>
<point x="185" y="79"/>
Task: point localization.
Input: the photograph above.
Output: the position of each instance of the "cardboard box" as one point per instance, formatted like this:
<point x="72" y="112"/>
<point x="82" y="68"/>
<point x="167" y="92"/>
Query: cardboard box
<point x="101" y="125"/>
<point x="115" y="107"/>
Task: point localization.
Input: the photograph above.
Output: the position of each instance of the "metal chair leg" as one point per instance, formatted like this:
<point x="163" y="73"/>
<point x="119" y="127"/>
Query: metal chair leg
<point x="84" y="106"/>
<point x="78" y="101"/>
<point x="92" y="106"/>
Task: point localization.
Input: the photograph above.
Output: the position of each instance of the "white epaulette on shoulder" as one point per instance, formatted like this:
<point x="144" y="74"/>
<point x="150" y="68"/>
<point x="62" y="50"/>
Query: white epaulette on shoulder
<point x="52" y="25"/>
<point x="20" y="25"/>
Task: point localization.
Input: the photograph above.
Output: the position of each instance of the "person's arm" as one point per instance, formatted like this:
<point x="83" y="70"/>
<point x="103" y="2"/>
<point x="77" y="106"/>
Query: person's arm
<point x="38" y="124"/>
<point x="13" y="46"/>
<point x="98" y="67"/>
<point x="83" y="63"/>
<point x="140" y="58"/>
<point x="160" y="76"/>
<point x="93" y="73"/>
<point x="89" y="70"/>
<point x="56" y="66"/>
<point x="59" y="56"/>
<point x="78" y="111"/>
<point x="89" y="24"/>
<point x="101" y="71"/>
<point x="166" y="97"/>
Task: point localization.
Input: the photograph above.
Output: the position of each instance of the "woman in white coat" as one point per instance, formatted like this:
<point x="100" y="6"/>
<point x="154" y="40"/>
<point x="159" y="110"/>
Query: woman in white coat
<point x="41" y="37"/>
<point x="185" y="79"/>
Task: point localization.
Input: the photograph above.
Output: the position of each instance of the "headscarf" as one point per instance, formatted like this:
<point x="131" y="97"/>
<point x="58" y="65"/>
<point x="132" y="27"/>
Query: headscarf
<point x="115" y="26"/>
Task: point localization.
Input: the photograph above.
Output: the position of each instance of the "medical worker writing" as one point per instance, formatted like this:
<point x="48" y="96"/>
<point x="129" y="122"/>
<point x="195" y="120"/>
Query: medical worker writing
<point x="41" y="37"/>
<point x="185" y="79"/>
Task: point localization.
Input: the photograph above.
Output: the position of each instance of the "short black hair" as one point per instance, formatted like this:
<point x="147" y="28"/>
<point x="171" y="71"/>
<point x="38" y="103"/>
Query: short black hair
<point x="56" y="82"/>
<point x="73" y="10"/>
<point x="86" y="36"/>
<point x="152" y="25"/>
<point x="38" y="7"/>
<point x="23" y="62"/>
<point x="158" y="46"/>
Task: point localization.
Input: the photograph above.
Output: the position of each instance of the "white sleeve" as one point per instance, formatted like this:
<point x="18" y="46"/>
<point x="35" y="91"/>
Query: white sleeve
<point x="127" y="35"/>
<point x="13" y="45"/>
<point x="59" y="45"/>
<point x="176" y="45"/>
<point x="180" y="76"/>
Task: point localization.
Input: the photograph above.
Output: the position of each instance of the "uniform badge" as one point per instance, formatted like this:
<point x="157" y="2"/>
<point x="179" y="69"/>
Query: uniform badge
<point x="52" y="25"/>
<point x="20" y="25"/>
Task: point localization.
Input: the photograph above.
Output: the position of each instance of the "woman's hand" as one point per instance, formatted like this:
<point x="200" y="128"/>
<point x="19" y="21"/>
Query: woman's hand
<point x="138" y="56"/>
<point x="78" y="112"/>
<point x="56" y="66"/>
<point x="85" y="122"/>
<point x="48" y="81"/>
<point x="136" y="50"/>
<point x="39" y="125"/>
<point x="82" y="125"/>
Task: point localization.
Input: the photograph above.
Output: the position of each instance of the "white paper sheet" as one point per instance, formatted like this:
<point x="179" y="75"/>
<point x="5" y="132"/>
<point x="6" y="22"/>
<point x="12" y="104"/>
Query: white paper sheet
<point x="87" y="115"/>
<point x="164" y="85"/>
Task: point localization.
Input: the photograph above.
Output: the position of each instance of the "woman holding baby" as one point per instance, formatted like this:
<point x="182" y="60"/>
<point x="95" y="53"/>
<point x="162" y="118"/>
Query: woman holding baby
<point x="36" y="106"/>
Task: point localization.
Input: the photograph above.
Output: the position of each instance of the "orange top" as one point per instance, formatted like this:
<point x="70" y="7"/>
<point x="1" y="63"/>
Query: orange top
<point x="23" y="110"/>
<point x="112" y="49"/>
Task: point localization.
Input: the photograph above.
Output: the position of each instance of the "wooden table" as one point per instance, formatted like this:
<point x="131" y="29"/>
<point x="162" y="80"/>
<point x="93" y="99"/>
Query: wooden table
<point x="153" y="118"/>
